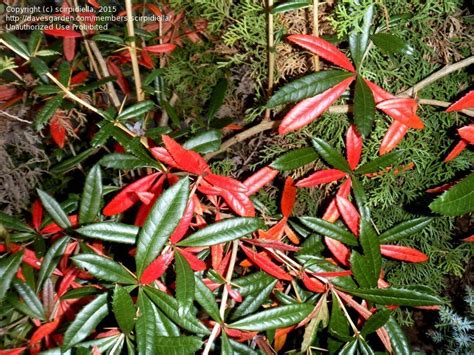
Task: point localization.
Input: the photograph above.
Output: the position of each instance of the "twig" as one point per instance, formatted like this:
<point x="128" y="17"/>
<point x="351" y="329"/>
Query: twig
<point x="16" y="118"/>
<point x="431" y="102"/>
<point x="133" y="50"/>
<point x="271" y="57"/>
<point x="316" y="31"/>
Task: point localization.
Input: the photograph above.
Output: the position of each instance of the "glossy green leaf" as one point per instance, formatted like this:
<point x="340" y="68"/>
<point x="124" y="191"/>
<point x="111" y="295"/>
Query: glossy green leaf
<point x="364" y="348"/>
<point x="51" y="259"/>
<point x="110" y="231"/>
<point x="294" y="159"/>
<point x="108" y="38"/>
<point x="290" y="6"/>
<point x="8" y="268"/>
<point x="376" y="321"/>
<point x="226" y="347"/>
<point x="13" y="223"/>
<point x="253" y="301"/>
<point x="122" y="161"/>
<point x="398" y="339"/>
<point x="161" y="222"/>
<point x="104" y="268"/>
<point x="16" y="43"/>
<point x="72" y="162"/>
<point x="458" y="200"/>
<point x="91" y="196"/>
<point x="251" y="283"/>
<point x="80" y="292"/>
<point x="392" y="44"/>
<point x="124" y="309"/>
<point x="242" y="349"/>
<point x="86" y="321"/>
<point x="404" y="230"/>
<point x="360" y="198"/>
<point x="179" y="345"/>
<point x="338" y="325"/>
<point x="217" y="98"/>
<point x="330" y="155"/>
<point x="398" y="296"/>
<point x="34" y="40"/>
<point x="279" y="317"/>
<point x="362" y="269"/>
<point x="146" y="324"/>
<point x="46" y="90"/>
<point x="320" y="320"/>
<point x="359" y="39"/>
<point x="54" y="209"/>
<point x="136" y="110"/>
<point x="48" y="110"/>
<point x="206" y="299"/>
<point x="371" y="247"/>
<point x="39" y="67"/>
<point x="364" y="107"/>
<point x="307" y="86"/>
<point x="205" y="142"/>
<point x="169" y="306"/>
<point x="350" y="348"/>
<point x="330" y="230"/>
<point x="29" y="297"/>
<point x="222" y="232"/>
<point x="184" y="284"/>
<point x="380" y="163"/>
<point x="64" y="73"/>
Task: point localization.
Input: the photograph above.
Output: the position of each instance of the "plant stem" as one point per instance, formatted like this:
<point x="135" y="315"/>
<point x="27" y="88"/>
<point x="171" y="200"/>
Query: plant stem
<point x="133" y="51"/>
<point x="271" y="57"/>
<point x="316" y="31"/>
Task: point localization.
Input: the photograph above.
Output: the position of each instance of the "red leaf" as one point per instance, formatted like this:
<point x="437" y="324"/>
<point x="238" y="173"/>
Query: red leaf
<point x="144" y="209"/>
<point x="467" y="133"/>
<point x="379" y="93"/>
<point x="239" y="203"/>
<point x="128" y="197"/>
<point x="57" y="131"/>
<point x="183" y="224"/>
<point x="240" y="335"/>
<point x="43" y="331"/>
<point x="226" y="183"/>
<point x="162" y="155"/>
<point x="321" y="177"/>
<point x="156" y="268"/>
<point x="324" y="49"/>
<point x="16" y="351"/>
<point x="217" y="253"/>
<point x="403" y="253"/>
<point x="310" y="109"/>
<point x="458" y="148"/>
<point x="195" y="263"/>
<point x="67" y="280"/>
<point x="37" y="214"/>
<point x="187" y="160"/>
<point x="312" y="284"/>
<point x="465" y="102"/>
<point x="394" y="135"/>
<point x="121" y="81"/>
<point x="288" y="198"/>
<point x="332" y="213"/>
<point x="262" y="177"/>
<point x="353" y="146"/>
<point x="69" y="46"/>
<point x="338" y="250"/>
<point x="62" y="33"/>
<point x="54" y="228"/>
<point x="333" y="273"/>
<point x="146" y="60"/>
<point x="7" y="92"/>
<point x="145" y="196"/>
<point x="266" y="264"/>
<point x="235" y="295"/>
<point x="349" y="214"/>
<point x="79" y="78"/>
<point x="274" y="244"/>
<point x="469" y="239"/>
<point x="275" y="232"/>
<point x="160" y="48"/>
<point x="403" y="110"/>
<point x="94" y="3"/>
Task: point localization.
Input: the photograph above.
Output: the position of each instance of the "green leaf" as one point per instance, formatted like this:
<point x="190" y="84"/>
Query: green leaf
<point x="206" y="299"/>
<point x="321" y="315"/>
<point x="361" y="269"/>
<point x="380" y="163"/>
<point x="64" y="72"/>
<point x="72" y="162"/>
<point x="124" y="309"/>
<point x="294" y="159"/>
<point x="251" y="283"/>
<point x="39" y="67"/>
<point x="226" y="347"/>
<point x="48" y="110"/>
<point x="184" y="284"/>
<point x="122" y="161"/>
<point x="400" y="345"/>
<point x="110" y="231"/>
<point x="136" y="110"/>
<point x="404" y="230"/>
<point x="93" y="85"/>
<point x="14" y="223"/>
<point x="34" y="40"/>
<point x="392" y="44"/>
<point x="31" y="300"/>
<point x="371" y="247"/>
<point x="364" y="107"/>
<point x="51" y="259"/>
<point x="8" y="267"/>
<point x="398" y="296"/>
<point x="86" y="321"/>
<point x="104" y="268"/>
<point x="91" y="196"/>
<point x="350" y="348"/>
<point x="330" y="155"/>
<point x="169" y="306"/>
<point x="279" y="317"/>
<point x="133" y="145"/>
<point x="108" y="38"/>
<point x="54" y="209"/>
<point x="179" y="345"/>
<point x="16" y="43"/>
<point x="46" y="90"/>
<point x="205" y="142"/>
<point x="80" y="292"/>
<point x="376" y="321"/>
<point x="290" y="6"/>
<point x="330" y="230"/>
<point x="217" y="98"/>
<point x="242" y="349"/>
<point x="307" y="86"/>
<point x="145" y="327"/>
<point x="222" y="232"/>
<point x="253" y="301"/>
<point x="359" y="41"/>
<point x="161" y="222"/>
<point x="364" y="348"/>
<point x="360" y="198"/>
<point x="338" y="326"/>
<point x="171" y="111"/>
<point x="458" y="200"/>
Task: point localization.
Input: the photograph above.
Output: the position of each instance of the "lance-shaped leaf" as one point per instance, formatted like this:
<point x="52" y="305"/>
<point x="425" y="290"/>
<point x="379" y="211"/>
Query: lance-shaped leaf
<point x="294" y="159"/>
<point x="349" y="214"/>
<point x="187" y="160"/>
<point x="91" y="196"/>
<point x="85" y="322"/>
<point x="394" y="135"/>
<point x="146" y="324"/>
<point x="353" y="147"/>
<point x="136" y="110"/>
<point x="160" y="48"/>
<point x="288" y="198"/>
<point x="380" y="163"/>
<point x="458" y="200"/>
<point x="14" y="223"/>
<point x="371" y="247"/>
<point x="54" y="209"/>
<point x="63" y="33"/>
<point x="104" y="268"/>
<point x="310" y="109"/>
<point x="205" y="142"/>
<point x="398" y="339"/>
<point x="402" y="110"/>
<point x="467" y="133"/>
<point x="161" y="222"/>
<point x="331" y="155"/>
<point x="259" y="179"/>
<point x="110" y="231"/>
<point x="253" y="301"/>
<point x="122" y="161"/>
<point x="184" y="284"/>
<point x="289" y="6"/>
<point x="392" y="44"/>
<point x="124" y="309"/>
<point x="402" y="253"/>
<point x="156" y="268"/>
<point x="47" y="111"/>
<point x="223" y="231"/>
<point x="364" y="107"/>
<point x="307" y="86"/>
<point x="206" y="299"/>
<point x="323" y="49"/>
<point x="29" y="297"/>
<point x="338" y="325"/>
<point x="406" y="296"/>
<point x="179" y="345"/>
<point x="8" y="267"/>
<point x="321" y="177"/>
<point x="376" y="321"/>
<point x="266" y="264"/>
<point x="51" y="259"/>
<point x="279" y="317"/>
<point x="465" y="102"/>
<point x="330" y="230"/>
<point x="250" y="283"/>
<point x="359" y="40"/>
<point x="404" y="230"/>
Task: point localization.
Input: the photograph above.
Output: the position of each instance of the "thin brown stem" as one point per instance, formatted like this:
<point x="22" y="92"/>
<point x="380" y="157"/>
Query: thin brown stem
<point x="271" y="57"/>
<point x="133" y="51"/>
